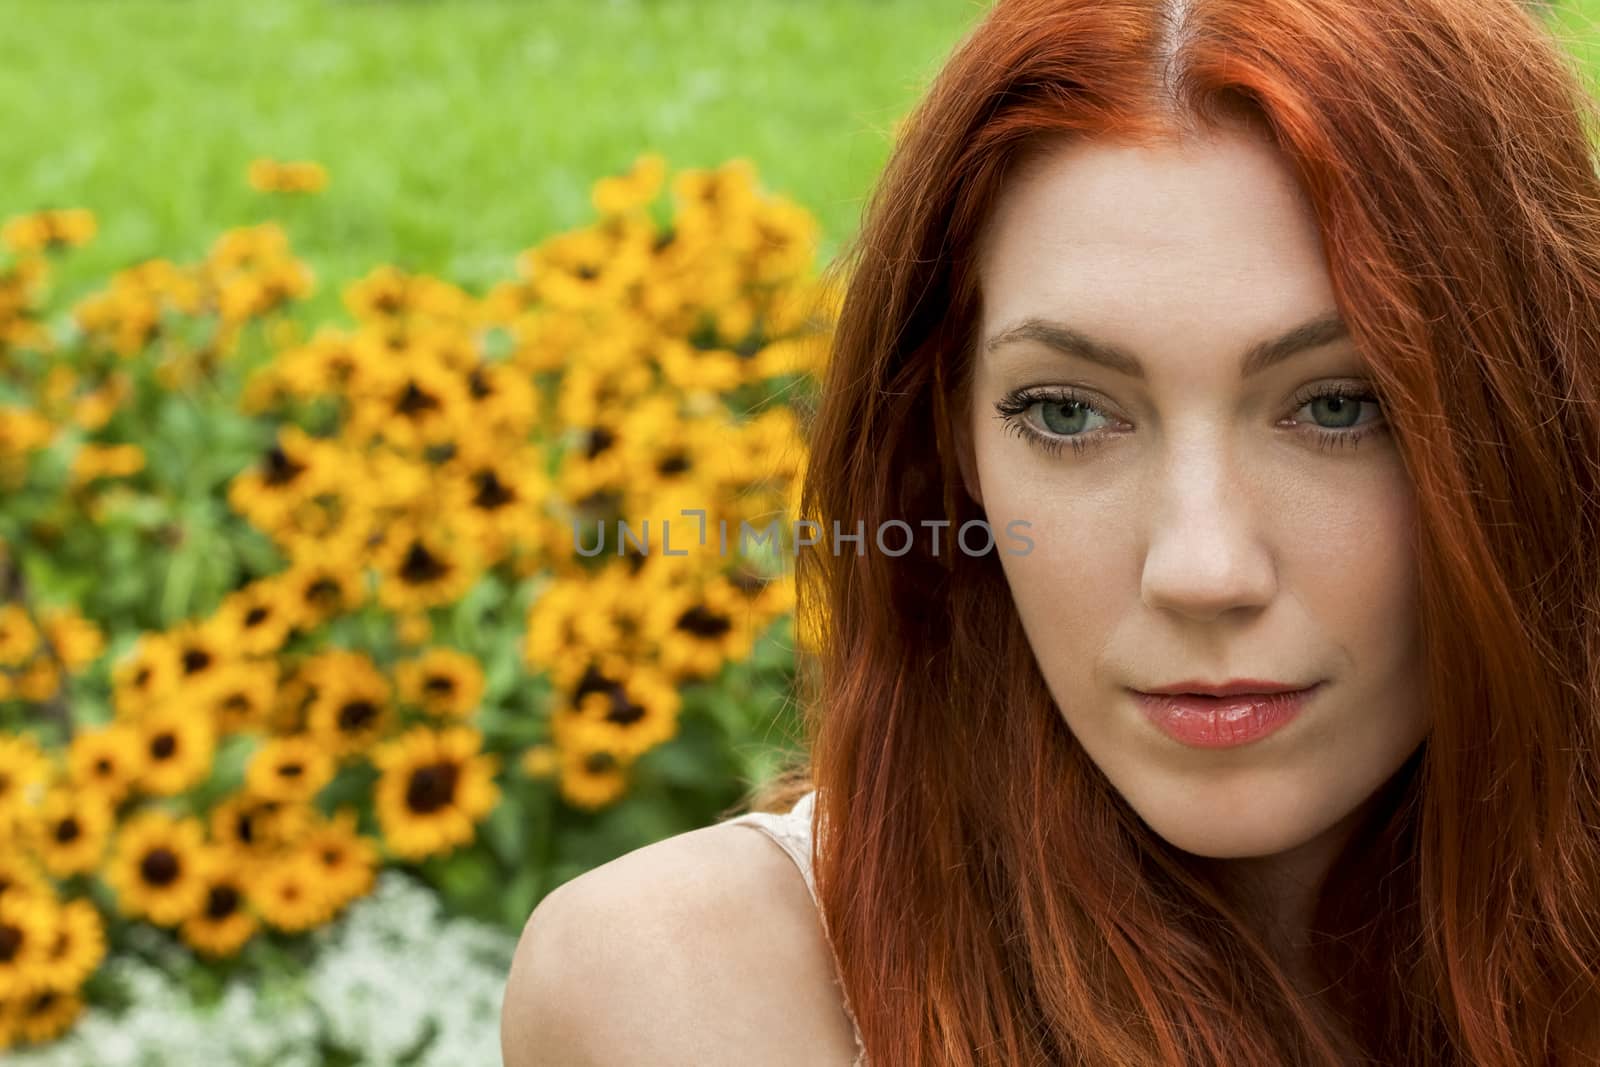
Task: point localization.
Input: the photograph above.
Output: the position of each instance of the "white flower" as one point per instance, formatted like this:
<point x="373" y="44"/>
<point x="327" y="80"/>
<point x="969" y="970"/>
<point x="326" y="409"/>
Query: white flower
<point x="391" y="979"/>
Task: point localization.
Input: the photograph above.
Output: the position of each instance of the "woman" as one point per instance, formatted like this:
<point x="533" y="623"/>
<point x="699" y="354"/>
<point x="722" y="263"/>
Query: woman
<point x="1273" y="327"/>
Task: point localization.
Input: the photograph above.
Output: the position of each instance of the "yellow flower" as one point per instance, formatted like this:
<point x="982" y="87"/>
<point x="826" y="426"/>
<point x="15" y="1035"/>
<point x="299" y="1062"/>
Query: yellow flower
<point x="541" y="761"/>
<point x="21" y="876"/>
<point x="106" y="758"/>
<point x="244" y="696"/>
<point x="45" y="230"/>
<point x="632" y="191"/>
<point x="442" y="681"/>
<point x="27" y="930"/>
<point x="625" y="708"/>
<point x="93" y="461"/>
<point x="144" y="674"/>
<point x="258" y="617"/>
<point x="223" y="923"/>
<point x="178" y="739"/>
<point x="71" y="831"/>
<point x="288" y="894"/>
<point x="289" y="769"/>
<point x="346" y="861"/>
<point x="24" y="770"/>
<point x="45" y="1015"/>
<point x="320" y="590"/>
<point x="434" y="788"/>
<point x="421" y="567"/>
<point x="39" y="680"/>
<point x="251" y="828"/>
<point x="697" y="630"/>
<point x="79" y="946"/>
<point x="271" y="176"/>
<point x="19" y="637"/>
<point x="592" y="776"/>
<point x="155" y="868"/>
<point x="77" y="641"/>
<point x="350" y="708"/>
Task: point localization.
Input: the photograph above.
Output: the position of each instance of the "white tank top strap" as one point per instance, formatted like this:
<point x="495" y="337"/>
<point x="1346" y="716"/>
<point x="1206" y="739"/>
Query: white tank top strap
<point x="792" y="831"/>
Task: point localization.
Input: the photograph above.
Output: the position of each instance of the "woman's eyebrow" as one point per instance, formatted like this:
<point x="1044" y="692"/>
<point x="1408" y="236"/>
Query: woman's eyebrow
<point x="1326" y="328"/>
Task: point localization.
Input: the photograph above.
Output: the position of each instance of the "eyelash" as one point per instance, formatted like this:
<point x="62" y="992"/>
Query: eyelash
<point x="1011" y="407"/>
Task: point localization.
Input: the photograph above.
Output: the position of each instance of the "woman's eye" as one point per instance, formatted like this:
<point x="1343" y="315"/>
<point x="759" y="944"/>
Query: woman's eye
<point x="1064" y="417"/>
<point x="1338" y="411"/>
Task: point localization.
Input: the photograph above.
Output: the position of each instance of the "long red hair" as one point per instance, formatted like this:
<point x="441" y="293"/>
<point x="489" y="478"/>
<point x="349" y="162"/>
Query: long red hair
<point x="991" y="899"/>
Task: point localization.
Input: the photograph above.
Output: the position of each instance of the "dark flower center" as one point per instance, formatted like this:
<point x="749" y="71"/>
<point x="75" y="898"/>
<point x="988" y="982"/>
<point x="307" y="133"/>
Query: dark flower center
<point x="163" y="745"/>
<point x="414" y="401"/>
<point x="421" y="565"/>
<point x="704" y="623"/>
<point x="159" y="867"/>
<point x="278" y="468"/>
<point x="221" y="902"/>
<point x="356" y="715"/>
<point x="67" y="830"/>
<point x="10" y="941"/>
<point x="491" y="492"/>
<point x="431" y="787"/>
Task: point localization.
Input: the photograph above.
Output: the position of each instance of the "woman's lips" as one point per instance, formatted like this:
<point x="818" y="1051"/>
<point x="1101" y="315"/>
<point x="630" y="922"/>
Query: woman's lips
<point x="1221" y="722"/>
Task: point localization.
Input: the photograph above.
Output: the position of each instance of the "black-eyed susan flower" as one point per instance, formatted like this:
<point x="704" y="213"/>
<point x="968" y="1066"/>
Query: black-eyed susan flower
<point x="93" y="461"/>
<point x="178" y="740"/>
<point x="79" y="946"/>
<point x="39" y="679"/>
<point x="424" y="566"/>
<point x="435" y="786"/>
<point x="442" y="681"/>
<point x="243" y="698"/>
<point x="46" y="230"/>
<point x="350" y="708"/>
<point x="625" y="709"/>
<point x="24" y="770"/>
<point x="27" y="930"/>
<point x="632" y="191"/>
<point x="346" y="861"/>
<point x="288" y="894"/>
<point x="540" y="761"/>
<point x="591" y="776"/>
<point x="258" y="617"/>
<point x="589" y="268"/>
<point x="564" y="628"/>
<point x="106" y="758"/>
<point x="698" y="627"/>
<point x="251" y="828"/>
<point x="155" y="867"/>
<point x="76" y="641"/>
<point x="290" y="769"/>
<point x="70" y="831"/>
<point x="287" y="176"/>
<point x="21" y="875"/>
<point x="320" y="590"/>
<point x="45" y="1015"/>
<point x="144" y="674"/>
<point x="19" y="637"/>
<point x="223" y="922"/>
<point x="412" y="403"/>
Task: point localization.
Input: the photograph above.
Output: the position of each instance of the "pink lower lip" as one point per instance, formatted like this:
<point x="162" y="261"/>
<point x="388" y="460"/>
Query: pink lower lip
<point x="1221" y="722"/>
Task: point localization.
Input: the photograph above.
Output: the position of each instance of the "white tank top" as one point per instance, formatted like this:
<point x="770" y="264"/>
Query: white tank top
<point x="792" y="830"/>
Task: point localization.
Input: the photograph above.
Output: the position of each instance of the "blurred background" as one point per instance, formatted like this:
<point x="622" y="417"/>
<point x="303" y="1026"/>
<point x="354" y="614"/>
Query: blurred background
<point x="337" y="338"/>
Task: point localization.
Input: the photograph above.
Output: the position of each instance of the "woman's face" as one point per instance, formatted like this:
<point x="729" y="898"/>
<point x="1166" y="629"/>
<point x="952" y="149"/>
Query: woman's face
<point x="1195" y="517"/>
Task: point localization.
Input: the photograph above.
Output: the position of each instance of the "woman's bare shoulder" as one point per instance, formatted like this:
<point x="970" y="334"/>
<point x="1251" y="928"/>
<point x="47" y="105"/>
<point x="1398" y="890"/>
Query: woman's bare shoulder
<point x="702" y="948"/>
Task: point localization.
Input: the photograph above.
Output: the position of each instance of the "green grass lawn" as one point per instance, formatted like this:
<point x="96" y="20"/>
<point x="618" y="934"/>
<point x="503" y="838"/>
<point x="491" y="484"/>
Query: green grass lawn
<point x="456" y="134"/>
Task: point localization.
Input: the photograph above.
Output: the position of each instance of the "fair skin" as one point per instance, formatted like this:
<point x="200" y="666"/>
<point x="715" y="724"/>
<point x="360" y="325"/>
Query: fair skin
<point x="702" y="949"/>
<point x="1200" y="532"/>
